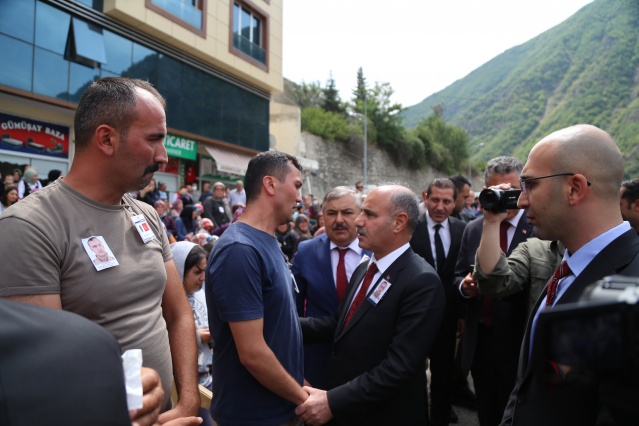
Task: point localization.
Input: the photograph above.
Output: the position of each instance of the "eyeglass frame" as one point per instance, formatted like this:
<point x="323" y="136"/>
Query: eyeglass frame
<point x="522" y="182"/>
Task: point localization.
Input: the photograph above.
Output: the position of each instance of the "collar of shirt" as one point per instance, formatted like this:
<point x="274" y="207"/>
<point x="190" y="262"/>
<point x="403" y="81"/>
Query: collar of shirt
<point x="577" y="262"/>
<point x="354" y="245"/>
<point x="382" y="265"/>
<point x="431" y="223"/>
<point x="580" y="259"/>
<point x="387" y="260"/>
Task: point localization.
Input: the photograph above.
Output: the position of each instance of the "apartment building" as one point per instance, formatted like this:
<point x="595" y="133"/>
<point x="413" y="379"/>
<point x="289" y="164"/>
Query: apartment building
<point x="217" y="62"/>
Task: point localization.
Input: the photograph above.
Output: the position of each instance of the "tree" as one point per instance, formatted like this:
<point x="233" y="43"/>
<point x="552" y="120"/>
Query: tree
<point x="332" y="101"/>
<point x="308" y="95"/>
<point x="445" y="146"/>
<point x="360" y="91"/>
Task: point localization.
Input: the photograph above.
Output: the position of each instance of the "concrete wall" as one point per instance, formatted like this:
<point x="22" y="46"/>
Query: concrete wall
<point x="340" y="163"/>
<point x="284" y="126"/>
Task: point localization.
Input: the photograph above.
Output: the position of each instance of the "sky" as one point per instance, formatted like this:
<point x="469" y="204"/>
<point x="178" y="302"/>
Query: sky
<point x="418" y="46"/>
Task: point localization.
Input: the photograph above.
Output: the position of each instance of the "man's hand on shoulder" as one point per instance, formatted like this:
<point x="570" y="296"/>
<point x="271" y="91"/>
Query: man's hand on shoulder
<point x="315" y="410"/>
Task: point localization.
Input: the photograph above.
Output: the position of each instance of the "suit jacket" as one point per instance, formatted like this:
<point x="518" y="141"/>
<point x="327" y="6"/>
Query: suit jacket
<point x="420" y="243"/>
<point x="533" y="402"/>
<point x="377" y="371"/>
<point x="509" y="313"/>
<point x="317" y="297"/>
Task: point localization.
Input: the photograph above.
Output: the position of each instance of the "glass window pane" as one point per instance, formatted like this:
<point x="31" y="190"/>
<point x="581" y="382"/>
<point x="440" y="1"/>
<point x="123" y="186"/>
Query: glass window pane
<point x="17" y="72"/>
<point x="17" y="18"/>
<point x="52" y="28"/>
<point x="246" y="24"/>
<point x="50" y="75"/>
<point x="145" y="64"/>
<point x="236" y="18"/>
<point x="119" y="52"/>
<point x="89" y="42"/>
<point x="45" y="166"/>
<point x="170" y="74"/>
<point x="80" y="77"/>
<point x="106" y="73"/>
<point x="257" y="32"/>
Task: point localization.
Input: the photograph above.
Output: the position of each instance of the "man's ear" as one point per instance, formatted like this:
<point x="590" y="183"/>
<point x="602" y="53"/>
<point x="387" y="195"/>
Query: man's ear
<point x="578" y="188"/>
<point x="106" y="139"/>
<point x="399" y="222"/>
<point x="635" y="205"/>
<point x="268" y="182"/>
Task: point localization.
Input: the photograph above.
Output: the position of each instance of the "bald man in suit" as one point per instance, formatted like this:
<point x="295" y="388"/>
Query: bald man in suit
<point x="570" y="188"/>
<point x="385" y="326"/>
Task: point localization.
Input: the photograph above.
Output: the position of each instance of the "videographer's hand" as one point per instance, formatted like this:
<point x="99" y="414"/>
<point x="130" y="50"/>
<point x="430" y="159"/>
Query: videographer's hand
<point x="469" y="287"/>
<point x="491" y="217"/>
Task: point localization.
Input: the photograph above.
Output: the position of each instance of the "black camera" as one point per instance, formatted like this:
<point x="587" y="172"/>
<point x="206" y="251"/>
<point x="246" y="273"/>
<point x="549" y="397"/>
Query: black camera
<point x="499" y="200"/>
<point x="593" y="338"/>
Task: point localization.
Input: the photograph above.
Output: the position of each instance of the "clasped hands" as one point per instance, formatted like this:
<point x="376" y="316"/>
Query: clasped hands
<point x="315" y="410"/>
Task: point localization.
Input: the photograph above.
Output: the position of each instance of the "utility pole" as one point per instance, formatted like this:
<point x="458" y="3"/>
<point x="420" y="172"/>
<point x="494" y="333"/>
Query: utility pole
<point x="365" y="142"/>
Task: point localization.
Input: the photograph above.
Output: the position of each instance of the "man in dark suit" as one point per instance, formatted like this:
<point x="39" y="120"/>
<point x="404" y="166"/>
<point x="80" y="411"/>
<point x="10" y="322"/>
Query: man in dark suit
<point x="437" y="238"/>
<point x="376" y="373"/>
<point x="570" y="188"/>
<point x="322" y="268"/>
<point x="493" y="327"/>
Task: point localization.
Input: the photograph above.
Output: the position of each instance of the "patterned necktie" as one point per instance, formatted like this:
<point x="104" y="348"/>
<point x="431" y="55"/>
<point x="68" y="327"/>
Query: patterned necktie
<point x="359" y="298"/>
<point x="440" y="254"/>
<point x="341" y="279"/>
<point x="551" y="290"/>
<point x="487" y="301"/>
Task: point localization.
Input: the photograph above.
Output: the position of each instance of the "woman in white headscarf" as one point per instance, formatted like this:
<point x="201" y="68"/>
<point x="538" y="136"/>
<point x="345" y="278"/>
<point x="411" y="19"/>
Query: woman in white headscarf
<point x="190" y="260"/>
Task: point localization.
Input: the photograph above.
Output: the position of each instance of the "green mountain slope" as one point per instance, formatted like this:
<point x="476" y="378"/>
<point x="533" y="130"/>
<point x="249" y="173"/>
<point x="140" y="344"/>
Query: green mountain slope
<point x="585" y="70"/>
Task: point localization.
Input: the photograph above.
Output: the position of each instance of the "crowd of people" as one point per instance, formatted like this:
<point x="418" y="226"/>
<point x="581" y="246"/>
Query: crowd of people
<point x="297" y="309"/>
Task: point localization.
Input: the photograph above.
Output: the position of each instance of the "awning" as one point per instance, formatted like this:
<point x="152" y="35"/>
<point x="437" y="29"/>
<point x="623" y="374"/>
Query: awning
<point x="229" y="161"/>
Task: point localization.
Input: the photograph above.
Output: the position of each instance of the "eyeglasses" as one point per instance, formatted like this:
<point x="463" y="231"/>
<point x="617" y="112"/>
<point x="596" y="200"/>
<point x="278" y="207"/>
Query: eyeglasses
<point x="523" y="182"/>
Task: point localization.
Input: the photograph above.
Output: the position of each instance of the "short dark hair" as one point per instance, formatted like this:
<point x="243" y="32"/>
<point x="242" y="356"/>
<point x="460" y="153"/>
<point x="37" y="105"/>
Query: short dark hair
<point x="194" y="257"/>
<point x="110" y="101"/>
<point x="269" y="163"/>
<point x="631" y="193"/>
<point x="502" y="166"/>
<point x="404" y="200"/>
<point x="460" y="181"/>
<point x="443" y="183"/>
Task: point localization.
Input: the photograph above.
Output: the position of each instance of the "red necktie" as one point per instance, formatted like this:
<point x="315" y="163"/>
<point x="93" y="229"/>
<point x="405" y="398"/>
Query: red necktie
<point x="341" y="279"/>
<point x="562" y="271"/>
<point x="487" y="301"/>
<point x="359" y="298"/>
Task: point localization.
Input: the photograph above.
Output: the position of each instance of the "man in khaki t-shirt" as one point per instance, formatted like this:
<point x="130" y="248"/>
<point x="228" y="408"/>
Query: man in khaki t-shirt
<point x="137" y="296"/>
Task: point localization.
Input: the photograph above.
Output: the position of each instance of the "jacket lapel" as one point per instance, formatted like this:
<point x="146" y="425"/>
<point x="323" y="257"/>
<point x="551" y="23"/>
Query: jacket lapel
<point x="391" y="274"/>
<point x="615" y="257"/>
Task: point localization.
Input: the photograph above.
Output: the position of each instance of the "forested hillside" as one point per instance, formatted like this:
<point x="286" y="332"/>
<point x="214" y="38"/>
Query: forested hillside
<point x="584" y="70"/>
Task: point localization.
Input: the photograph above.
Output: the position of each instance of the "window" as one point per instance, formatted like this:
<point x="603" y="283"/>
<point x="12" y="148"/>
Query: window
<point x="249" y="32"/>
<point x="190" y="14"/>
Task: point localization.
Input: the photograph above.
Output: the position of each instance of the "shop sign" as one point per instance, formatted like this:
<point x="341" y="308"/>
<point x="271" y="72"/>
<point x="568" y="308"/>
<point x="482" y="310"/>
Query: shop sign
<point x="181" y="147"/>
<point x="33" y="137"/>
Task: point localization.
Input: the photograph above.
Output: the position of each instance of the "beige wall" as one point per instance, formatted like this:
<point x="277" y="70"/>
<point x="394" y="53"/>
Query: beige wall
<point x="285" y="125"/>
<point x="214" y="49"/>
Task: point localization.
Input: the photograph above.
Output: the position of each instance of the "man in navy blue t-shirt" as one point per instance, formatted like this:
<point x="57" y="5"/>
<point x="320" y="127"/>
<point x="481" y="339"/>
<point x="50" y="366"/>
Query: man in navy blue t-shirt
<point x="258" y="358"/>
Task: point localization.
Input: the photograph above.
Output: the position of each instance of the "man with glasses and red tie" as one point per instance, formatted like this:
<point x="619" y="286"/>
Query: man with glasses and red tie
<point x="570" y="190"/>
<point x="377" y="372"/>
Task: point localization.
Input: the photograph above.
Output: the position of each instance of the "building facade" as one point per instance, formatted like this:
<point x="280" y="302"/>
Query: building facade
<point x="217" y="62"/>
